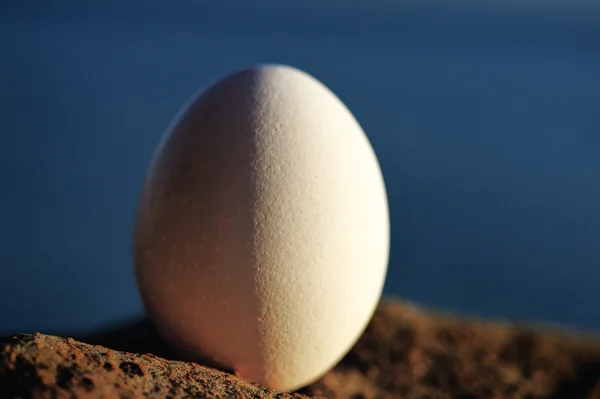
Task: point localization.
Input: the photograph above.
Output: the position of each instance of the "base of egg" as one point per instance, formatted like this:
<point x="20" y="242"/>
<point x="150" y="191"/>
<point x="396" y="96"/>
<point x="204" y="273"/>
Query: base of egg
<point x="261" y="239"/>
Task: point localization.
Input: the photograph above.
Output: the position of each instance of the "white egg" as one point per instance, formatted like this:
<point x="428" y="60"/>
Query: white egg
<point x="261" y="240"/>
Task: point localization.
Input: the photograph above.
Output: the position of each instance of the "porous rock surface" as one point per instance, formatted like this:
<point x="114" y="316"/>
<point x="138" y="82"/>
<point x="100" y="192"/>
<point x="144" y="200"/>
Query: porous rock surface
<point x="406" y="352"/>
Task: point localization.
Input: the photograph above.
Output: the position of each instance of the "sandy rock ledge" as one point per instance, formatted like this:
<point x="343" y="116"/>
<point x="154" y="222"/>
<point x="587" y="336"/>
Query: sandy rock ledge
<point x="405" y="353"/>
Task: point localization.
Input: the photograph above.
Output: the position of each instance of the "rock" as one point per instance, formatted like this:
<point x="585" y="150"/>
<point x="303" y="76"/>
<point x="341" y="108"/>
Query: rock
<point x="406" y="352"/>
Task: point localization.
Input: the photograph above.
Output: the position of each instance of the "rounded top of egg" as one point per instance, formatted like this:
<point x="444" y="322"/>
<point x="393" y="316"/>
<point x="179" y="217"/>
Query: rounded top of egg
<point x="262" y="235"/>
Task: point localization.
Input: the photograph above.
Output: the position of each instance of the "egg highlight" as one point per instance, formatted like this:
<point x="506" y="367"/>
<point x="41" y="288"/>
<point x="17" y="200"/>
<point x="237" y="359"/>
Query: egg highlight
<point x="261" y="238"/>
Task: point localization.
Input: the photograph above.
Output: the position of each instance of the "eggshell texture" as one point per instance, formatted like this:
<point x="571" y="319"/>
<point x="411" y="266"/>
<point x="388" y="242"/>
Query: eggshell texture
<point x="262" y="235"/>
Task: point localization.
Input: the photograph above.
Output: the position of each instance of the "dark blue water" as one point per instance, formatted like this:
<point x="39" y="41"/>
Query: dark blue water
<point x="487" y="129"/>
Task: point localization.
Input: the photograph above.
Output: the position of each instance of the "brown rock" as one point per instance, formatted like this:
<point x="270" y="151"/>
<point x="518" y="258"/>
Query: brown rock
<point x="405" y="353"/>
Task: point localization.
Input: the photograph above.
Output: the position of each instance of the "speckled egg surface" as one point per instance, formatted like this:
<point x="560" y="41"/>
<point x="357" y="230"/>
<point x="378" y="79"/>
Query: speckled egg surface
<point x="261" y="240"/>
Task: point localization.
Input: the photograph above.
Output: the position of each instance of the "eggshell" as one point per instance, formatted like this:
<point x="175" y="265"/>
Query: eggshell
<point x="262" y="235"/>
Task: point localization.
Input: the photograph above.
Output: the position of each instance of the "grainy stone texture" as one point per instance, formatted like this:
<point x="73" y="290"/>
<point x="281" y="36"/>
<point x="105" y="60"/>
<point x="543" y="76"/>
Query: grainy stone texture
<point x="405" y="353"/>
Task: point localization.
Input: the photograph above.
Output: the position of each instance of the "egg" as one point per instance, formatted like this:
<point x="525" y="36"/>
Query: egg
<point x="261" y="238"/>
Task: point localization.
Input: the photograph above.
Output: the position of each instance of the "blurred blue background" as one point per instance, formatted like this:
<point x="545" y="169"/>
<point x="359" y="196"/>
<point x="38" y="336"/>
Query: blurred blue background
<point x="486" y="121"/>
